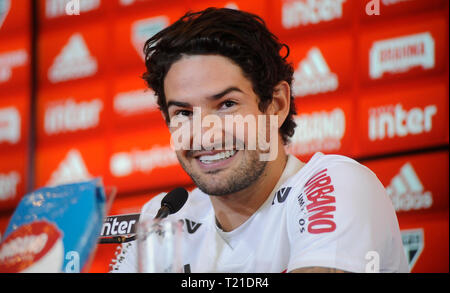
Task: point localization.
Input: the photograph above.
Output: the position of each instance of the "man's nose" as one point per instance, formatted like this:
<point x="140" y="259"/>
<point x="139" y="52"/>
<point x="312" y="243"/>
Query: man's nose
<point x="208" y="134"/>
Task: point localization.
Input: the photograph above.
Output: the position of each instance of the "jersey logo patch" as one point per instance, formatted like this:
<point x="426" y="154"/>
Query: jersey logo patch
<point x="281" y="195"/>
<point x="192" y="226"/>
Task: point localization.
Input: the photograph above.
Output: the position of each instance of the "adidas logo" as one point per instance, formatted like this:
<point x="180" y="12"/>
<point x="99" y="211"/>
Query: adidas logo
<point x="313" y="75"/>
<point x="74" y="61"/>
<point x="407" y="192"/>
<point x="5" y="6"/>
<point x="8" y="185"/>
<point x="413" y="244"/>
<point x="144" y="29"/>
<point x="9" y="60"/>
<point x="72" y="169"/>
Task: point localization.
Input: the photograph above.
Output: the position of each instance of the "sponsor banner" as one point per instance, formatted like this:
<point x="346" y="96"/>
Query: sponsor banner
<point x="13" y="180"/>
<point x="53" y="13"/>
<point x="133" y="30"/>
<point x="71" y="111"/>
<point x="291" y="17"/>
<point x="393" y="8"/>
<point x="71" y="55"/>
<point x="144" y="160"/>
<point x="14" y="62"/>
<point x="425" y="241"/>
<point x="322" y="66"/>
<point x="14" y="17"/>
<point x="133" y="103"/>
<point x="323" y="125"/>
<point x="415" y="49"/>
<point x="119" y="225"/>
<point x="403" y="119"/>
<point x="258" y="7"/>
<point x="75" y="162"/>
<point x="415" y="183"/>
<point x="14" y="120"/>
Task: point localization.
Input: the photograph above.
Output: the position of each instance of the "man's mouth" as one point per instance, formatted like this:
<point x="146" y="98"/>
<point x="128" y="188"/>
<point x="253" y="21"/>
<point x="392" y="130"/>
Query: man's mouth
<point x="214" y="160"/>
<point x="209" y="159"/>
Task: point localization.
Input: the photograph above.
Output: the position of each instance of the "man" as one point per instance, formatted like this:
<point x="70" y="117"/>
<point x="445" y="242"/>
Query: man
<point x="252" y="213"/>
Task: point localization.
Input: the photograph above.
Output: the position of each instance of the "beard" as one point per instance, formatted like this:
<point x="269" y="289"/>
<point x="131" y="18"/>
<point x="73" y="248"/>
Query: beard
<point x="228" y="181"/>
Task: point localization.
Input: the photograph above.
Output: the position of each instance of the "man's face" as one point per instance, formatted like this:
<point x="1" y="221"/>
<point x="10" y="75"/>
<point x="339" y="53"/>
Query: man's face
<point x="217" y="87"/>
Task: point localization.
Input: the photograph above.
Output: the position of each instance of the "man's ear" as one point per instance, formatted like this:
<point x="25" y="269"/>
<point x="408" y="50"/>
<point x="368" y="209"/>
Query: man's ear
<point x="281" y="100"/>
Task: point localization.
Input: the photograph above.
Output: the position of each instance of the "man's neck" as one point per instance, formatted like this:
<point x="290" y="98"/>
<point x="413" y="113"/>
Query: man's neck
<point x="234" y="209"/>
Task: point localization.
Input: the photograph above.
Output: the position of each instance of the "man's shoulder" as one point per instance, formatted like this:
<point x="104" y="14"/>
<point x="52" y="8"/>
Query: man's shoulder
<point x="321" y="163"/>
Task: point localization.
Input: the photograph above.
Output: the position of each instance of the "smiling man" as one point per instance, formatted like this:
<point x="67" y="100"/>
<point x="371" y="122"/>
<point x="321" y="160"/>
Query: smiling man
<point x="248" y="214"/>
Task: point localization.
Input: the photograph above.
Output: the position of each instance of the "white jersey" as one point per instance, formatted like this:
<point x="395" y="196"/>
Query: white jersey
<point x="331" y="212"/>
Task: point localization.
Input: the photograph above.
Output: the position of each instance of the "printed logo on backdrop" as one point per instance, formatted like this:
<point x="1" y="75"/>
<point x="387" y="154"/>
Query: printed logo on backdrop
<point x="125" y="163"/>
<point x="10" y="123"/>
<point x="9" y="60"/>
<point x="69" y="116"/>
<point x="296" y="13"/>
<point x="313" y="75"/>
<point x="400" y="54"/>
<point x="135" y="102"/>
<point x="373" y="7"/>
<point x="71" y="169"/>
<point x="144" y="29"/>
<point x="5" y="6"/>
<point x="130" y="2"/>
<point x="57" y="8"/>
<point x="318" y="131"/>
<point x="231" y="5"/>
<point x="407" y="192"/>
<point x="73" y="7"/>
<point x="389" y="121"/>
<point x="8" y="185"/>
<point x="413" y="244"/>
<point x="73" y="62"/>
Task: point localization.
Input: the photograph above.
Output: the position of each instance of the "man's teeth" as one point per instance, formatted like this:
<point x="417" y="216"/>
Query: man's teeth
<point x="217" y="157"/>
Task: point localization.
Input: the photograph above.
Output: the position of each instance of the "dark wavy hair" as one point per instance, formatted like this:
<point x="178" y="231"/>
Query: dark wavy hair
<point x="240" y="36"/>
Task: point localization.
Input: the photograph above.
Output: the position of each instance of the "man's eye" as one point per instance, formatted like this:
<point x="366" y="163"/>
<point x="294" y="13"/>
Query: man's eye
<point x="183" y="113"/>
<point x="228" y="104"/>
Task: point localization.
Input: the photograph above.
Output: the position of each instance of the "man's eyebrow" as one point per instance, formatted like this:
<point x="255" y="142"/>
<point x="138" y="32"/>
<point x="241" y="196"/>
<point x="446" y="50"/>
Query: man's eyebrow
<point x="213" y="97"/>
<point x="179" y="104"/>
<point x="223" y="93"/>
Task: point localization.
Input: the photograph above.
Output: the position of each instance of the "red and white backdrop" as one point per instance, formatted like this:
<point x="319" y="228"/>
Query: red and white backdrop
<point x="373" y="87"/>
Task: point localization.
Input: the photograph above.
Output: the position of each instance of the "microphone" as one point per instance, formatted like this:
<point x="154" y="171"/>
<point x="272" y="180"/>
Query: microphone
<point x="172" y="202"/>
